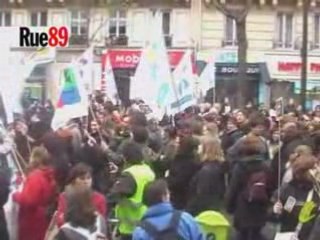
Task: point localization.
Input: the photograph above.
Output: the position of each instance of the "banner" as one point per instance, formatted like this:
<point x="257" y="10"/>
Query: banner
<point x="184" y="85"/>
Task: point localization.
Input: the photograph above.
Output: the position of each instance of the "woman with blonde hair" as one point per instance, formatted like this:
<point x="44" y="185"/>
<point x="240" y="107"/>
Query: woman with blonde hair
<point x="207" y="187"/>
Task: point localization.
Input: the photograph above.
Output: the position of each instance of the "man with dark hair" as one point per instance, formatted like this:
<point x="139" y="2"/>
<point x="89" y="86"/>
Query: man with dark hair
<point x="138" y="119"/>
<point x="127" y="192"/>
<point x="257" y="128"/>
<point x="140" y="136"/>
<point x="162" y="221"/>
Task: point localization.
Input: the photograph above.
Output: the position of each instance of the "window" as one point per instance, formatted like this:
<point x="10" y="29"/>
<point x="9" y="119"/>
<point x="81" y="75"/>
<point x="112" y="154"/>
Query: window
<point x="118" y="24"/>
<point x="230" y="33"/>
<point x="317" y="31"/>
<point x="284" y="30"/>
<point x="5" y="19"/>
<point x="39" y="19"/>
<point x="166" y="30"/>
<point x="118" y="27"/>
<point x="79" y="27"/>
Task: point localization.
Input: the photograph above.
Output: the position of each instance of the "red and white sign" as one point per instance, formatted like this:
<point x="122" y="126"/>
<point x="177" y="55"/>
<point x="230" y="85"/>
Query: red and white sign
<point x="289" y="66"/>
<point x="295" y="67"/>
<point x="127" y="58"/>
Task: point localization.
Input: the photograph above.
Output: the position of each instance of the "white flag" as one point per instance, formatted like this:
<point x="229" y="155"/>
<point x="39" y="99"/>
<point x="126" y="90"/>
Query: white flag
<point x="207" y="77"/>
<point x="73" y="100"/>
<point x="153" y="81"/>
<point x="111" y="87"/>
<point x="184" y="85"/>
<point x="85" y="65"/>
<point x="18" y="68"/>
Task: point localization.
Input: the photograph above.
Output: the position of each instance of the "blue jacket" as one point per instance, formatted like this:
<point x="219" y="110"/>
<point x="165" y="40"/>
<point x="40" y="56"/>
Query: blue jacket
<point x="160" y="215"/>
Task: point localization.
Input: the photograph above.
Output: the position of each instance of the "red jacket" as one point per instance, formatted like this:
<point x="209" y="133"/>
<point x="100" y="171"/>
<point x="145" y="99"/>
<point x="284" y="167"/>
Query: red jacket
<point x="37" y="194"/>
<point x="97" y="199"/>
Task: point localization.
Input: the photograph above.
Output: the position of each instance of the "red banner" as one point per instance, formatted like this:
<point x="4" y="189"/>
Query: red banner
<point x="127" y="58"/>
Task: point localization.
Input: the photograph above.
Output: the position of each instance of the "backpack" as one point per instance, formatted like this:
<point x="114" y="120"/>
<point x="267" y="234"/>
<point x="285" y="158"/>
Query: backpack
<point x="256" y="190"/>
<point x="169" y="233"/>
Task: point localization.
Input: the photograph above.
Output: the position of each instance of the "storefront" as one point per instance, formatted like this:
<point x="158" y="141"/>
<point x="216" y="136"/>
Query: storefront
<point x="227" y="76"/>
<point x="124" y="63"/>
<point x="285" y="72"/>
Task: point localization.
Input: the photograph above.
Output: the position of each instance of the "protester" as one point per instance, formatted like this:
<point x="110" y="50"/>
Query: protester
<point x="140" y="136"/>
<point x="302" y="150"/>
<point x="81" y="175"/>
<point x="231" y="134"/>
<point x="93" y="153"/>
<point x="82" y="220"/>
<point x="293" y="197"/>
<point x="257" y="128"/>
<point x="205" y="152"/>
<point x="291" y="138"/>
<point x="169" y="151"/>
<point x="59" y="145"/>
<point x="207" y="188"/>
<point x="250" y="189"/>
<point x="162" y="221"/>
<point x="36" y="197"/>
<point x="242" y="121"/>
<point x="127" y="192"/>
<point x="182" y="169"/>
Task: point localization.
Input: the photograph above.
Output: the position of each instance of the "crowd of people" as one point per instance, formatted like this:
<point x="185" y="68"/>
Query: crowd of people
<point x="253" y="166"/>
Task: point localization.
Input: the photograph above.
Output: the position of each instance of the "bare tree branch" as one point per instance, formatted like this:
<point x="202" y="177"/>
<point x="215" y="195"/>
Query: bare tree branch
<point x="232" y="13"/>
<point x="223" y="9"/>
<point x="245" y="10"/>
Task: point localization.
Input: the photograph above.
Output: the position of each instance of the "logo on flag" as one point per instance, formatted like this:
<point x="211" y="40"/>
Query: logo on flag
<point x="70" y="92"/>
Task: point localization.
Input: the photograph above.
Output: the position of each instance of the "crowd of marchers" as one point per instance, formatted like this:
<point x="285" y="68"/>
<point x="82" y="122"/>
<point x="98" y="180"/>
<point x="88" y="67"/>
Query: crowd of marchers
<point x="120" y="174"/>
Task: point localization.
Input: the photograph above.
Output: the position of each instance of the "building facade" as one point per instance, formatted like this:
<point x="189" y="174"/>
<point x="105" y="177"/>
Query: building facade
<point x="274" y="32"/>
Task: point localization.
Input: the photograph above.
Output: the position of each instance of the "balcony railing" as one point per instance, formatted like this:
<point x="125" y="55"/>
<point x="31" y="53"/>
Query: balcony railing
<point x="78" y="40"/>
<point x="121" y="40"/>
<point x="283" y="44"/>
<point x="229" y="43"/>
<point x="315" y="45"/>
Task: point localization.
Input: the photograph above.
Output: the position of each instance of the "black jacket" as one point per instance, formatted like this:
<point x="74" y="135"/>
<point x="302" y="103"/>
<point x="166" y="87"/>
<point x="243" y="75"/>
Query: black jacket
<point x="246" y="215"/>
<point x="98" y="161"/>
<point x="299" y="191"/>
<point x="228" y="139"/>
<point x="207" y="188"/>
<point x="181" y="171"/>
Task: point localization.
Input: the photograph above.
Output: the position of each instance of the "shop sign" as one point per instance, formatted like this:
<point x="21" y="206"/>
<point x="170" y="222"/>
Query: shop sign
<point x="130" y="58"/>
<point x="226" y="69"/>
<point x="295" y="67"/>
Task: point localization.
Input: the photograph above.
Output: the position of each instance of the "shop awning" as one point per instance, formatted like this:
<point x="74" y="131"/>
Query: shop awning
<point x="129" y="58"/>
